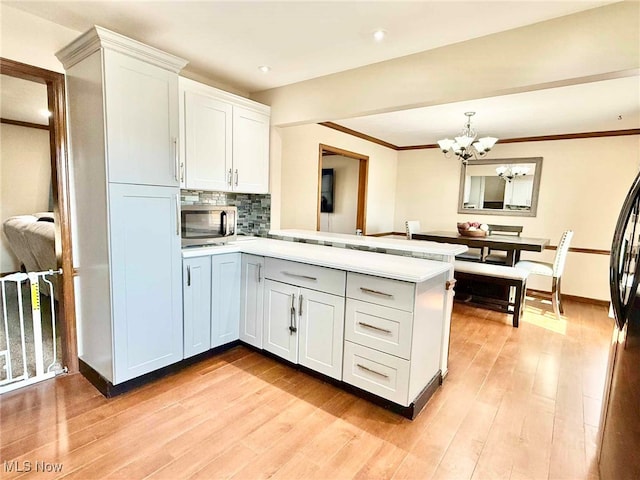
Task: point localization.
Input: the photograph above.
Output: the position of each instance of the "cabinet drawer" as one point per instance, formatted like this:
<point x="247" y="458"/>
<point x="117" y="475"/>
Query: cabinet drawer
<point x="381" y="291"/>
<point x="383" y="328"/>
<point x="322" y="279"/>
<point x="376" y="372"/>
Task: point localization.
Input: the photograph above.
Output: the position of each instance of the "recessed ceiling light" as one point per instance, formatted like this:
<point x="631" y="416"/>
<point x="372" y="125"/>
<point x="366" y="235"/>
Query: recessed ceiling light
<point x="379" y="35"/>
<point x="264" y="68"/>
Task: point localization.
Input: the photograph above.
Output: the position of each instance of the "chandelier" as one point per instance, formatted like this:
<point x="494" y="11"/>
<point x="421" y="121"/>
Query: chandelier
<point x="464" y="146"/>
<point x="509" y="172"/>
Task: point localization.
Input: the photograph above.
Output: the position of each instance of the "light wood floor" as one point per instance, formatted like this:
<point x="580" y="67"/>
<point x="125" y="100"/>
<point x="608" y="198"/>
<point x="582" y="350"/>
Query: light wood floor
<point x="518" y="403"/>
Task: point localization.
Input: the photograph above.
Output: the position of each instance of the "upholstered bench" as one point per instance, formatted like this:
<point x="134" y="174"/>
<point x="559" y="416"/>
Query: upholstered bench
<point x="490" y="286"/>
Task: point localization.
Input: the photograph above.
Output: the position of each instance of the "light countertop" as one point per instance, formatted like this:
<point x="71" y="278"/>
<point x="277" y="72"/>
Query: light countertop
<point x="418" y="246"/>
<point x="378" y="264"/>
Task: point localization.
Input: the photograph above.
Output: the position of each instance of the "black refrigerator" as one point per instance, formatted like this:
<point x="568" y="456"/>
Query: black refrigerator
<point x="619" y="446"/>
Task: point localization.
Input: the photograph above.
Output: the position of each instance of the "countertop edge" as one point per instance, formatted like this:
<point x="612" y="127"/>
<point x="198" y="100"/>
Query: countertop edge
<point x="428" y="268"/>
<point x="418" y="246"/>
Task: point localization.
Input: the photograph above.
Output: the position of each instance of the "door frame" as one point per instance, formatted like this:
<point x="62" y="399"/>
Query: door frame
<point x="363" y="176"/>
<point x="56" y="100"/>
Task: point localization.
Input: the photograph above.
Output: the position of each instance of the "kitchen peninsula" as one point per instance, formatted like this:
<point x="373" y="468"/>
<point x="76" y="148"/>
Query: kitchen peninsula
<point x="370" y="322"/>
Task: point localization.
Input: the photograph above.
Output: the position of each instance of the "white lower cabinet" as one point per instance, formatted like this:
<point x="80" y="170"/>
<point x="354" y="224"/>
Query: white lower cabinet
<point x="280" y="320"/>
<point x="304" y="326"/>
<point x="225" y="298"/>
<point x="251" y="299"/>
<point x="321" y="332"/>
<point x="393" y="333"/>
<point x="146" y="279"/>
<point x="196" y="292"/>
<point x="381" y="335"/>
<point x="376" y="372"/>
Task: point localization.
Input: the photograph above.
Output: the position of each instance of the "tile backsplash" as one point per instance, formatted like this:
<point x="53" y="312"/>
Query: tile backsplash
<point x="254" y="210"/>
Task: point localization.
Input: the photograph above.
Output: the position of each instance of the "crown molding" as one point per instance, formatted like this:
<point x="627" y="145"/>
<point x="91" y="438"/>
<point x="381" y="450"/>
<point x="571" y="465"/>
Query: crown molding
<point x="98" y="37"/>
<point x="541" y="138"/>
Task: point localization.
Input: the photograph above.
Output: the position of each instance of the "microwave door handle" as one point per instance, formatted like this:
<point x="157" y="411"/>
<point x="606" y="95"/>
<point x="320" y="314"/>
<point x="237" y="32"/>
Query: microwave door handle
<point x="223" y="223"/>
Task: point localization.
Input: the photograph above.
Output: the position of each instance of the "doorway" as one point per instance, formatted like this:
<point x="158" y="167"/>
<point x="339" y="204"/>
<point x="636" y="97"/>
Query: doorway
<point x="59" y="191"/>
<point x="342" y="190"/>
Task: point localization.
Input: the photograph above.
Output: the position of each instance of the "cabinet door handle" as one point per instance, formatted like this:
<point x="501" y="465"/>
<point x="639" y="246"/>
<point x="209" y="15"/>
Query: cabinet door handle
<point x="176" y="159"/>
<point x="177" y="214"/>
<point x="292" y="318"/>
<point x="373" y="327"/>
<point x="181" y="172"/>
<point x="229" y="177"/>
<point x="305" y="277"/>
<point x="376" y="292"/>
<point x="188" y="275"/>
<point x="236" y="182"/>
<point x="259" y="272"/>
<point x="300" y="305"/>
<point x="367" y="369"/>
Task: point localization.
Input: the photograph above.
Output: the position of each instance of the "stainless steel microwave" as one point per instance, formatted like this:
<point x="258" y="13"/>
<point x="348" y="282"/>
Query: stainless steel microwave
<point x="208" y="224"/>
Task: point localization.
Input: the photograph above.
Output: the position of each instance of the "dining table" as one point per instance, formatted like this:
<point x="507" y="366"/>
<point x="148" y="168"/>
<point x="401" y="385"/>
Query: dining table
<point x="511" y="244"/>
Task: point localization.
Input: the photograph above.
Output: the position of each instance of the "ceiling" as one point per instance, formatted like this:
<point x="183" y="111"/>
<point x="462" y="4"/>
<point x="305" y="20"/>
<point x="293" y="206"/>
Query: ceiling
<point x="227" y="41"/>
<point x="299" y="40"/>
<point x="588" y="107"/>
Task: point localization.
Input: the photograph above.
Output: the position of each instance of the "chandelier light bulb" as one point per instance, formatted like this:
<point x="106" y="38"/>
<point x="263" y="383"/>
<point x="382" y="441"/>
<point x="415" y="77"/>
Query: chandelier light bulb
<point x="465" y="145"/>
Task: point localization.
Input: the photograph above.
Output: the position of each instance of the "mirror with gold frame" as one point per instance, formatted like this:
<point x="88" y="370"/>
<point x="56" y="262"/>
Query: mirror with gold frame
<point x="506" y="186"/>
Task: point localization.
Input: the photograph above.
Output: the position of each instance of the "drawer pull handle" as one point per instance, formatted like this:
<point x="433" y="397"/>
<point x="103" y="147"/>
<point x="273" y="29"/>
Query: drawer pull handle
<point x="366" y="369"/>
<point x="306" y="277"/>
<point x="376" y="292"/>
<point x="374" y="327"/>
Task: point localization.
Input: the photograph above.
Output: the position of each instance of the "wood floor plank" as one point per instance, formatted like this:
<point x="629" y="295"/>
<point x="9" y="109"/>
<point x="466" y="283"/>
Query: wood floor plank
<point x="517" y="404"/>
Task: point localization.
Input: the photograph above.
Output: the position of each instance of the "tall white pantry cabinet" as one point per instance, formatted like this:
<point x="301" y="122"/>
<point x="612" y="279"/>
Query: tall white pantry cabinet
<point x="123" y="128"/>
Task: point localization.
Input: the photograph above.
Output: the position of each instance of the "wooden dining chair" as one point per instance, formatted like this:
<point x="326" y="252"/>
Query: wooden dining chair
<point x="553" y="270"/>
<point x="411" y="227"/>
<point x="499" y="257"/>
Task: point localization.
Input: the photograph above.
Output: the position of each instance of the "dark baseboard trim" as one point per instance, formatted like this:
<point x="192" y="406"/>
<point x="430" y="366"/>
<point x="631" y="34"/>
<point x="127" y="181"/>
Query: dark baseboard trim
<point x="109" y="390"/>
<point x="575" y="298"/>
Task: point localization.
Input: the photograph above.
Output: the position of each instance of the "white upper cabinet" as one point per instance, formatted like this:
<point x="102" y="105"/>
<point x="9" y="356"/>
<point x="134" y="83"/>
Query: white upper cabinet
<point x="123" y="130"/>
<point x="250" y="151"/>
<point x="207" y="142"/>
<point x="224" y="140"/>
<point x="142" y="121"/>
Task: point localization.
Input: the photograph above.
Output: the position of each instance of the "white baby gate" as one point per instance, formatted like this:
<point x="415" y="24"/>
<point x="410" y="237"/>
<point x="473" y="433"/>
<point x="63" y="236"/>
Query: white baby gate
<point x="10" y="379"/>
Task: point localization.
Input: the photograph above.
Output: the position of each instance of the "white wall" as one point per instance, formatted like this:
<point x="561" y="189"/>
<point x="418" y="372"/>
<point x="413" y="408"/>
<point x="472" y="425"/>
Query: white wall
<point x="299" y="177"/>
<point x="583" y="185"/>
<point x="32" y="40"/>
<point x="25" y="179"/>
<point x="345" y="195"/>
